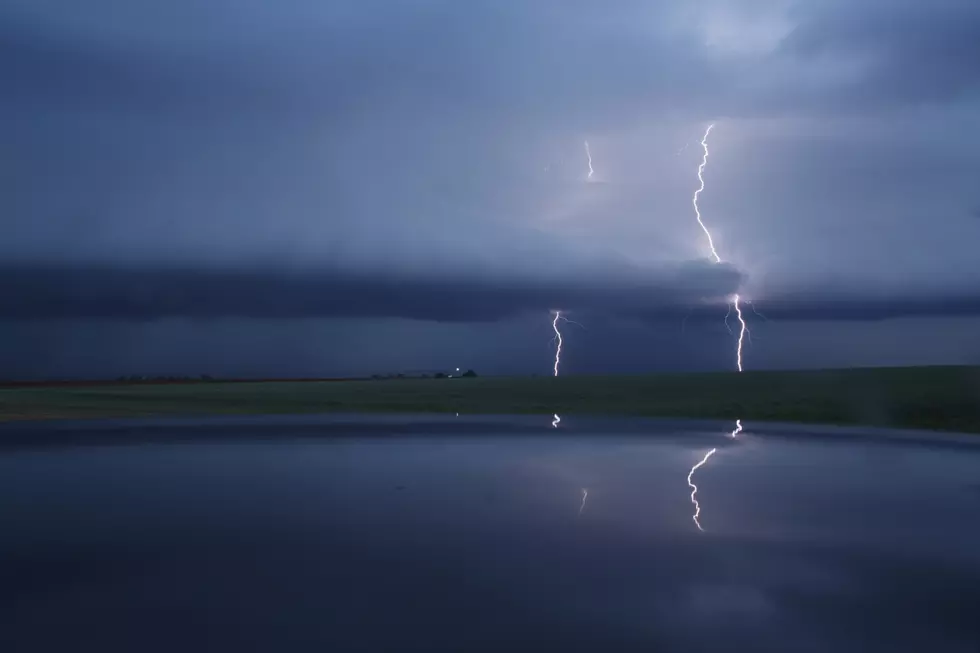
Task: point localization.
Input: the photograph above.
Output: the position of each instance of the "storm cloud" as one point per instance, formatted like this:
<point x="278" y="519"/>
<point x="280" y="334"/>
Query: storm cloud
<point x="143" y="293"/>
<point x="694" y="292"/>
<point x="284" y="160"/>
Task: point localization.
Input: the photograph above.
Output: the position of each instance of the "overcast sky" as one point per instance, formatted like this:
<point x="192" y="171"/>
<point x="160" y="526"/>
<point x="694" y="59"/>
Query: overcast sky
<point x="270" y="187"/>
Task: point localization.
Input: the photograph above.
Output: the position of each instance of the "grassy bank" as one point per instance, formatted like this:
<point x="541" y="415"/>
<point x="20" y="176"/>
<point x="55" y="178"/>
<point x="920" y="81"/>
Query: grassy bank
<point x="944" y="398"/>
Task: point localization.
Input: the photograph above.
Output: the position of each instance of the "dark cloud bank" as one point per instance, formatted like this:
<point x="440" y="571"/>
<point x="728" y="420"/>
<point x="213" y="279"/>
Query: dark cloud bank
<point x="454" y="294"/>
<point x="154" y="292"/>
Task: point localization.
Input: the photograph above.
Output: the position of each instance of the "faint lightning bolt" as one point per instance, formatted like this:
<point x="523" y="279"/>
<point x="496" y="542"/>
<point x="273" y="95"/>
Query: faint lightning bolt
<point x="694" y="488"/>
<point x="588" y="153"/>
<point x="766" y="319"/>
<point x="752" y="306"/>
<point x="585" y="496"/>
<point x="743" y="328"/>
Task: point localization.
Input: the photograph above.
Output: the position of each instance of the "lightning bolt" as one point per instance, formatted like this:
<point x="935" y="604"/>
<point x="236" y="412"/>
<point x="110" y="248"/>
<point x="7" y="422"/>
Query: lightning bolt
<point x="697" y="193"/>
<point x="736" y="299"/>
<point x="738" y="429"/>
<point x="557" y="339"/>
<point x="694" y="488"/>
<point x="588" y="153"/>
<point x="690" y="475"/>
<point x="585" y="496"/>
<point x="735" y="304"/>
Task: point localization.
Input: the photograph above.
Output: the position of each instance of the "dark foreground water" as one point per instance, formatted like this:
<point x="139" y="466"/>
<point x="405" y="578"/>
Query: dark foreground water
<point x="484" y="535"/>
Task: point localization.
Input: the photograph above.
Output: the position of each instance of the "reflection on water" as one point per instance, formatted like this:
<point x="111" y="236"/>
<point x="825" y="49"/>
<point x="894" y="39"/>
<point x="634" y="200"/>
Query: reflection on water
<point x="694" y="488"/>
<point x="738" y="428"/>
<point x="585" y="496"/>
<point x="471" y="541"/>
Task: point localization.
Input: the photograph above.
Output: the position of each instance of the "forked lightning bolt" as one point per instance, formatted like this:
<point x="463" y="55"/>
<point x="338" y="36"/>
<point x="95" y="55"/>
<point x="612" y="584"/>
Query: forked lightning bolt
<point x="736" y="299"/>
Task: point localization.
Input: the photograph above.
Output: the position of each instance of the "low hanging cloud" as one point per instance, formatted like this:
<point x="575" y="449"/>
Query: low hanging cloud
<point x="822" y="306"/>
<point x="454" y="295"/>
<point x="695" y="291"/>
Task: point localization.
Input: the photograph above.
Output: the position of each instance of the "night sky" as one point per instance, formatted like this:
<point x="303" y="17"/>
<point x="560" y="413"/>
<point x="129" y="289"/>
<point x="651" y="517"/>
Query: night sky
<point x="310" y="188"/>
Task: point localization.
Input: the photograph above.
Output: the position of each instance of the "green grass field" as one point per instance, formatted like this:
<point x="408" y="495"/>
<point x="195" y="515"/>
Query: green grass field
<point x="941" y="398"/>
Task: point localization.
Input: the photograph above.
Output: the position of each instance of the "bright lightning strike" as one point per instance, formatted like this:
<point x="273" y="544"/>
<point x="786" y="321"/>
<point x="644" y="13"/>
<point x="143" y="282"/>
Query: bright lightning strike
<point x="554" y="326"/>
<point x="588" y="153"/>
<point x="734" y="304"/>
<point x="558" y="342"/>
<point x="697" y="193"/>
<point x="694" y="488"/>
<point x="743" y="328"/>
<point x="690" y="475"/>
<point x="557" y="339"/>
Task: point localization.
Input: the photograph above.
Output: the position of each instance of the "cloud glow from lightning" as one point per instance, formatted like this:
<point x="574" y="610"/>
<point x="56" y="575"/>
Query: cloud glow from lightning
<point x="736" y="299"/>
<point x="588" y="153"/>
<point x="694" y="488"/>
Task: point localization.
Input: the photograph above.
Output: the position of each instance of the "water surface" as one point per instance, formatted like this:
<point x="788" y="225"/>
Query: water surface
<point x="452" y="534"/>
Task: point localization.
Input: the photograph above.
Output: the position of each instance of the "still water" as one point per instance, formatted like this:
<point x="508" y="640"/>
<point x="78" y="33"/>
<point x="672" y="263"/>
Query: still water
<point x="485" y="534"/>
